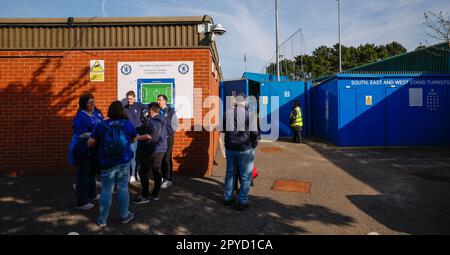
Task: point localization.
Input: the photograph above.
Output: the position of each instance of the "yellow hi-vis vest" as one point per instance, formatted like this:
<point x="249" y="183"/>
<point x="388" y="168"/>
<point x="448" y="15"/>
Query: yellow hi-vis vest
<point x="296" y="114"/>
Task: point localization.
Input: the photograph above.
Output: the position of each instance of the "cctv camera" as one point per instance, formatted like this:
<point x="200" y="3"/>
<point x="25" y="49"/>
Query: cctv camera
<point x="218" y="29"/>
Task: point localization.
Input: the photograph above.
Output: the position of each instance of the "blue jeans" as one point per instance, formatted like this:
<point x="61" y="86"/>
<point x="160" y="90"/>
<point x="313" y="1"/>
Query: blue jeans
<point x="244" y="160"/>
<point x="133" y="160"/>
<point x="117" y="175"/>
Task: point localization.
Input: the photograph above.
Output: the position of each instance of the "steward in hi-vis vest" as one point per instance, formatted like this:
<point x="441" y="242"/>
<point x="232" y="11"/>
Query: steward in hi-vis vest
<point x="296" y="120"/>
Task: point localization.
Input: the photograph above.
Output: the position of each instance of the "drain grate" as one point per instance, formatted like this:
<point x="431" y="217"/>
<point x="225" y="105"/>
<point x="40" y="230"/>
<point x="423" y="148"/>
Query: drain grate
<point x="292" y="186"/>
<point x="271" y="149"/>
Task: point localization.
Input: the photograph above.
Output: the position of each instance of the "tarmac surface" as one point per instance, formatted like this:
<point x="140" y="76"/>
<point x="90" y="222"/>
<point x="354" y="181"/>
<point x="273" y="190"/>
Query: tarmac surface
<point x="353" y="191"/>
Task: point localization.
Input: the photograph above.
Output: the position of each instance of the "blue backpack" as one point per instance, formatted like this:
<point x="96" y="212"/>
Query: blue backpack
<point x="114" y="140"/>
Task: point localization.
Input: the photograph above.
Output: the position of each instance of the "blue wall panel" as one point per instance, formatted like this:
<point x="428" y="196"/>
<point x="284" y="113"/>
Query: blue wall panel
<point x="448" y="114"/>
<point x="232" y="88"/>
<point x="371" y="116"/>
<point x="347" y="115"/>
<point x="394" y="117"/>
<point x="287" y="93"/>
<point x="325" y="109"/>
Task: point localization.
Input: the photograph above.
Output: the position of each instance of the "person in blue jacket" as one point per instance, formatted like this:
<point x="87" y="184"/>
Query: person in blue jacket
<point x="113" y="137"/>
<point x="86" y="119"/>
<point x="134" y="111"/>
<point x="151" y="153"/>
<point x="241" y="139"/>
<point x="172" y="124"/>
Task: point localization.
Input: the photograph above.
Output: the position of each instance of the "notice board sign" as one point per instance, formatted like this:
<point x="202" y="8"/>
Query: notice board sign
<point x="175" y="79"/>
<point x="415" y="97"/>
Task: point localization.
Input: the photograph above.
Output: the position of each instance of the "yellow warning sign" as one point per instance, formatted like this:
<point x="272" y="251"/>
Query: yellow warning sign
<point x="97" y="70"/>
<point x="368" y="100"/>
<point x="97" y="67"/>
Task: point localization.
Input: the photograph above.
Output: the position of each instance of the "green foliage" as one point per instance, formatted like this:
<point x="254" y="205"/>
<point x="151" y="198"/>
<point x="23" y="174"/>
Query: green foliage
<point x="325" y="60"/>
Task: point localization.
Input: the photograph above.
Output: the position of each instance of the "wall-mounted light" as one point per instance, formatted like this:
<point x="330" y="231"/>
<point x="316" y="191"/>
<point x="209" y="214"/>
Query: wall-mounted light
<point x="214" y="29"/>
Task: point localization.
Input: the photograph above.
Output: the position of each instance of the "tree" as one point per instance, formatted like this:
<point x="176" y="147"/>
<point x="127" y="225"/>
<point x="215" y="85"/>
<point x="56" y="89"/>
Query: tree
<point x="325" y="60"/>
<point x="395" y="48"/>
<point x="421" y="46"/>
<point x="438" y="25"/>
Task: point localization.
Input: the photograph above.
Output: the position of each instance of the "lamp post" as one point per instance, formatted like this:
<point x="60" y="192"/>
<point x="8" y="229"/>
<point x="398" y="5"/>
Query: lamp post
<point x="339" y="35"/>
<point x="276" y="40"/>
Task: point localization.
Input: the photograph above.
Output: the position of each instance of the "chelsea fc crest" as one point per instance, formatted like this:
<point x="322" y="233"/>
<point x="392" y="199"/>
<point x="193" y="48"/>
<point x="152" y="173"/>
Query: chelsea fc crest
<point x="125" y="69"/>
<point x="183" y="68"/>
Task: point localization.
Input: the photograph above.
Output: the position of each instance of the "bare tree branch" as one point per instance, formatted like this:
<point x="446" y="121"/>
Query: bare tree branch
<point x="438" y="25"/>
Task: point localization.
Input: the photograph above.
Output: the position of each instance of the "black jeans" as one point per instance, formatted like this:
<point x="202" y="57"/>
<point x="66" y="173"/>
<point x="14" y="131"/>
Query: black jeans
<point x="151" y="162"/>
<point x="297" y="134"/>
<point x="167" y="164"/>
<point x="85" y="182"/>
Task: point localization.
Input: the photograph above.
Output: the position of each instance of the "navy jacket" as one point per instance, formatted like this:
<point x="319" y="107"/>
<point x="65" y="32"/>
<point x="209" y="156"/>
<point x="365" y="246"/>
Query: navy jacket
<point x="134" y="113"/>
<point x="156" y="128"/>
<point x="168" y="114"/>
<point x="239" y="140"/>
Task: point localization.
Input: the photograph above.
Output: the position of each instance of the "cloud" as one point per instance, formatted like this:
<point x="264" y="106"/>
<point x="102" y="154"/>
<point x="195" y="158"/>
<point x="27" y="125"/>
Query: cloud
<point x="103" y="8"/>
<point x="251" y="29"/>
<point x="248" y="32"/>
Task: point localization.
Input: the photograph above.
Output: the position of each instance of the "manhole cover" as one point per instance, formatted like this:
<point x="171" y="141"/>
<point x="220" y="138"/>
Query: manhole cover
<point x="292" y="186"/>
<point x="271" y="149"/>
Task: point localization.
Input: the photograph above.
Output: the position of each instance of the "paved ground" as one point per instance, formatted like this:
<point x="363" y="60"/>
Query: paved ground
<point x="354" y="191"/>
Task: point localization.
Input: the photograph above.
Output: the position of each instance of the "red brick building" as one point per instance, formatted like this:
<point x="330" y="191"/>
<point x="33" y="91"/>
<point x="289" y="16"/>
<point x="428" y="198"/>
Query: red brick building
<point x="45" y="67"/>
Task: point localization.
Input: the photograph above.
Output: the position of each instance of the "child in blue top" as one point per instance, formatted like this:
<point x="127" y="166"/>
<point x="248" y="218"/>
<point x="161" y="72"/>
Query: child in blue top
<point x="88" y="116"/>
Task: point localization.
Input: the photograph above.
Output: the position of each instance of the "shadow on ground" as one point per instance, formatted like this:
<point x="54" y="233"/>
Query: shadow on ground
<point x="414" y="185"/>
<point x="44" y="205"/>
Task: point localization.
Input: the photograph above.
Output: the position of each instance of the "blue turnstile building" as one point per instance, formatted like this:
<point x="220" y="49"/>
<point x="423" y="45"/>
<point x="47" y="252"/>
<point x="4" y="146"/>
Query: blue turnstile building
<point x="383" y="110"/>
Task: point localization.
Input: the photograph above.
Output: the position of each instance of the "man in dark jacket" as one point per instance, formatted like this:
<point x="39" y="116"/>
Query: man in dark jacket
<point x="133" y="110"/>
<point x="150" y="154"/>
<point x="241" y="139"/>
<point x="172" y="124"/>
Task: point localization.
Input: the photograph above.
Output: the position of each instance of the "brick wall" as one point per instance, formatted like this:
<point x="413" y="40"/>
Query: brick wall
<point x="40" y="98"/>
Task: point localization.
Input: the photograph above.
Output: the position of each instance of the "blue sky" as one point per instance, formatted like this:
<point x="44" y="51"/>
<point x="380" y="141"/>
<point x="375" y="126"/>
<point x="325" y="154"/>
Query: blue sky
<point x="250" y="23"/>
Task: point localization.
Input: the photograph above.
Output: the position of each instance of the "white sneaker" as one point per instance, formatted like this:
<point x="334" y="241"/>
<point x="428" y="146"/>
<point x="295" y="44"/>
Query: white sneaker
<point x="166" y="184"/>
<point x="87" y="206"/>
<point x="74" y="187"/>
<point x="97" y="197"/>
<point x="132" y="179"/>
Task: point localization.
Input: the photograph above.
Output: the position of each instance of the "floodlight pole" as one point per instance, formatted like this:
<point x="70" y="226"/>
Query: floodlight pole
<point x="339" y="35"/>
<point x="276" y="40"/>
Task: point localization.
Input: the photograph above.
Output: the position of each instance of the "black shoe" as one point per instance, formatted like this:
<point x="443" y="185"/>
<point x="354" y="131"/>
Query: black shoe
<point x="154" y="198"/>
<point x="141" y="200"/>
<point x="241" y="207"/>
<point x="229" y="202"/>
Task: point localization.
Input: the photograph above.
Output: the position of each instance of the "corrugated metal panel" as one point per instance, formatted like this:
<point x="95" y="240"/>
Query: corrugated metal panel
<point x="101" y="37"/>
<point x="105" y="33"/>
<point x="103" y="21"/>
<point x="431" y="60"/>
